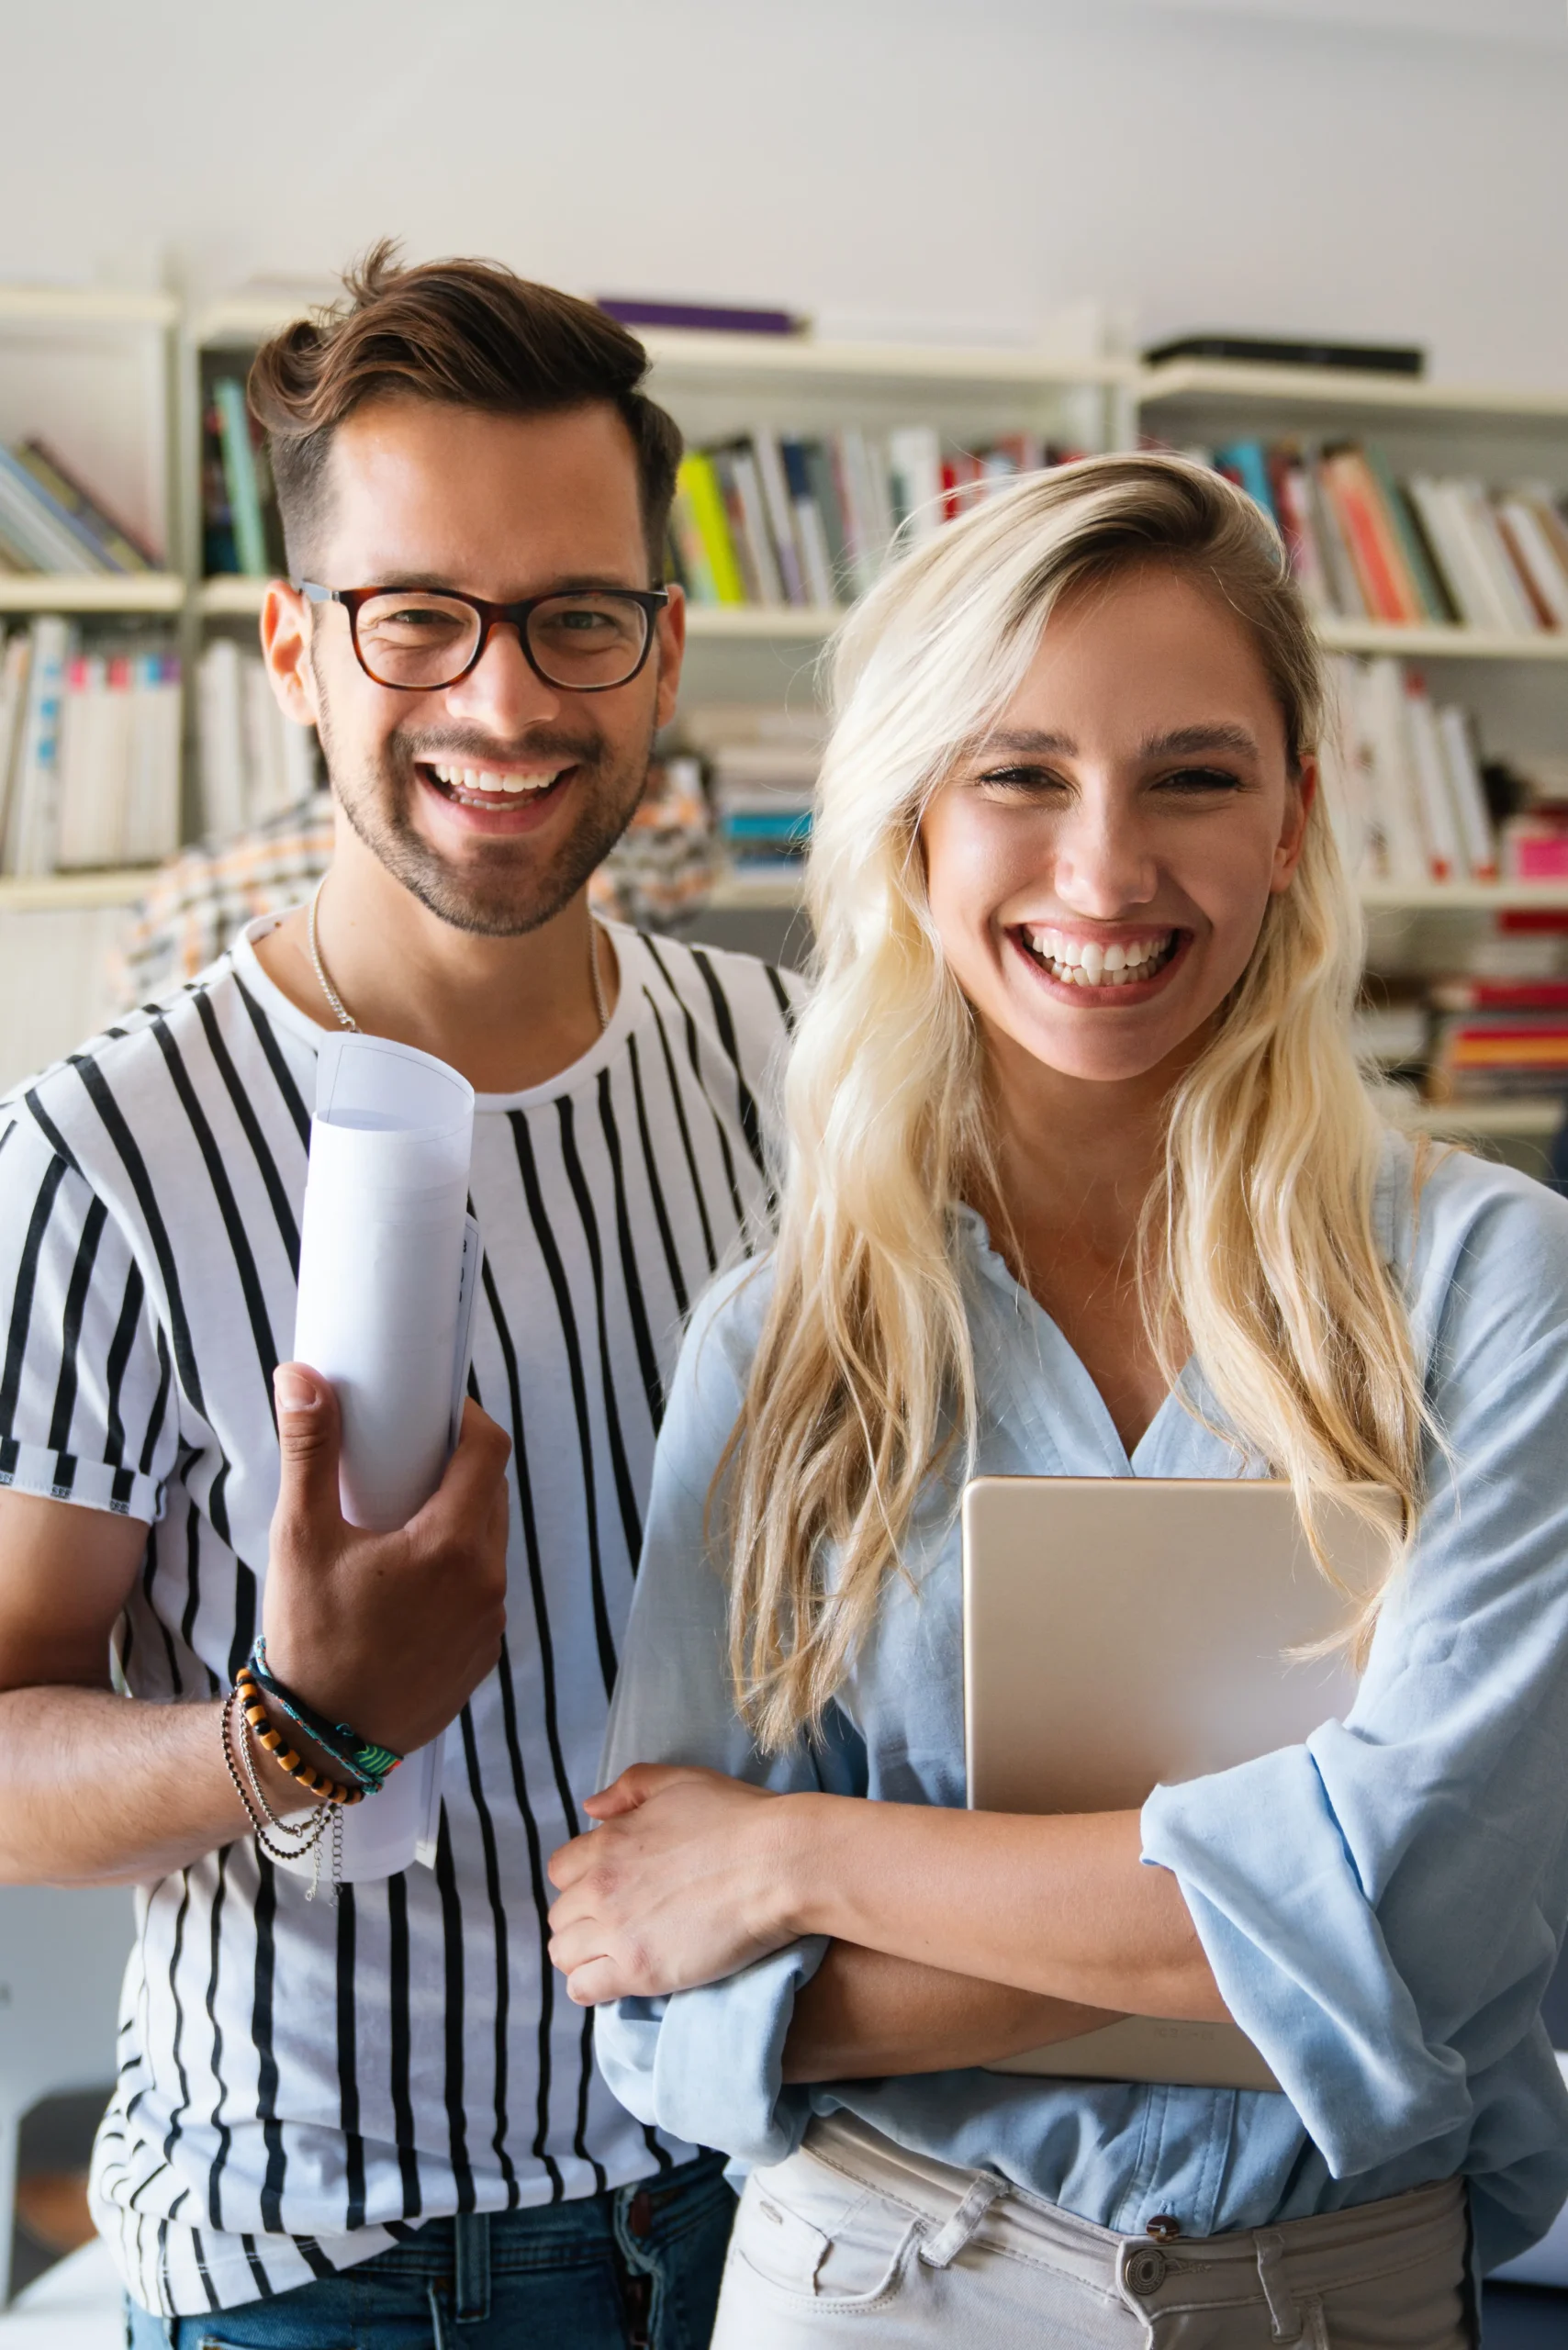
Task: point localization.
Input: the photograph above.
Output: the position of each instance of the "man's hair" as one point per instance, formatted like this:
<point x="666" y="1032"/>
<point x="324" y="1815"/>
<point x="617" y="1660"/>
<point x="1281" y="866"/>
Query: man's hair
<point x="464" y="334"/>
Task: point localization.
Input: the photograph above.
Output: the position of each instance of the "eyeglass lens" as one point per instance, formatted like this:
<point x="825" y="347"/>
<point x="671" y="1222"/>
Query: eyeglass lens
<point x="584" y="642"/>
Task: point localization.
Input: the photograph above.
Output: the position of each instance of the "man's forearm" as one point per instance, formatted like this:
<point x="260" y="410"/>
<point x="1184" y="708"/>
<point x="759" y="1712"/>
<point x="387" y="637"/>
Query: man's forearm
<point x="96" y="1789"/>
<point x="864" y="2016"/>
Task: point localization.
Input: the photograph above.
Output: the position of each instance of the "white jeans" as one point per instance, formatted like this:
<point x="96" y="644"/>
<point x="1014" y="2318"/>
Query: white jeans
<point x="854" y="2240"/>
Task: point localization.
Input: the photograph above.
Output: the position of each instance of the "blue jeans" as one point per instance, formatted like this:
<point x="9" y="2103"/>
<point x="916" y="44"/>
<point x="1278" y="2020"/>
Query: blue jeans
<point x="640" y="2264"/>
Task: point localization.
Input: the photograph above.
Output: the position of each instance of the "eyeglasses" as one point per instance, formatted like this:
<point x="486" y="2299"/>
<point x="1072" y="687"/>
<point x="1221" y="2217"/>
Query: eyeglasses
<point x="417" y="640"/>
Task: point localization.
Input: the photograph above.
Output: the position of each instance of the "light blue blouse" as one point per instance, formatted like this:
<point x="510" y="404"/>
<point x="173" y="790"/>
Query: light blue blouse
<point x="1382" y="1906"/>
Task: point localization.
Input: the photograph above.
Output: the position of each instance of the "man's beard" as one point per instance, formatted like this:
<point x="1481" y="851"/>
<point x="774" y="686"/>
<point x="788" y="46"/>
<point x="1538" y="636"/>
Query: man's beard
<point x="505" y="888"/>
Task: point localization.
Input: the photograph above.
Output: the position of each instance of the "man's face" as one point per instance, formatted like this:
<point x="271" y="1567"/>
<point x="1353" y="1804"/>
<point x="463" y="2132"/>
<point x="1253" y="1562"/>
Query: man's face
<point x="493" y="800"/>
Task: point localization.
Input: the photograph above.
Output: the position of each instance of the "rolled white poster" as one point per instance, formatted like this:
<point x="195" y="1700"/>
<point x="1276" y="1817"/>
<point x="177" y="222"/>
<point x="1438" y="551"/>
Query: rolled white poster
<point x="389" y="1263"/>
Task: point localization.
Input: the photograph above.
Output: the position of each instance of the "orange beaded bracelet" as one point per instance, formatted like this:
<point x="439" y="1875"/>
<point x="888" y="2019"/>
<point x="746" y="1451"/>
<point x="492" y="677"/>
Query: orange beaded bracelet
<point x="253" y="1707"/>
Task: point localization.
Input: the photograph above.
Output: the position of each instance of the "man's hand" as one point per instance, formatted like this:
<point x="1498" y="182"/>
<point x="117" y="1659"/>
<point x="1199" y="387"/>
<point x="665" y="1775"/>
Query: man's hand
<point x="673" y="1888"/>
<point x="391" y="1633"/>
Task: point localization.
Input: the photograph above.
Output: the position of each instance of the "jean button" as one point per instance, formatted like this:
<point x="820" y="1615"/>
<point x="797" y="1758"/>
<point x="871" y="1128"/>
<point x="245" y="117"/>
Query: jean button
<point x="1145" y="2271"/>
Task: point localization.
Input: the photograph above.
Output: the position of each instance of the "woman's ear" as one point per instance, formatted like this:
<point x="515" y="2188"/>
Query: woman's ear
<point x="1300" y="793"/>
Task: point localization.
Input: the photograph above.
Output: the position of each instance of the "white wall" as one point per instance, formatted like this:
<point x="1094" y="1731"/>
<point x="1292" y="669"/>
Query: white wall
<point x="1365" y="166"/>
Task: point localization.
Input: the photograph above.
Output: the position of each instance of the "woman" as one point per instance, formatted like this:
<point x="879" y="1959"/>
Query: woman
<point x="1083" y="1180"/>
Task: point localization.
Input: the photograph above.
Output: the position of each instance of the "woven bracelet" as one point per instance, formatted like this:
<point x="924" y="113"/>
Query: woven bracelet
<point x="253" y="1704"/>
<point x="361" y="1760"/>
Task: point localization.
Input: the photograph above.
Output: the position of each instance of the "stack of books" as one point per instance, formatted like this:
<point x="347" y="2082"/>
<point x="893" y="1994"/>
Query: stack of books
<point x="89" y="750"/>
<point x="761" y="766"/>
<point x="241" y="529"/>
<point x="51" y="522"/>
<point x="1499" y="1036"/>
<point x="1432" y="550"/>
<point x="781" y="519"/>
<point x="255" y="762"/>
<point x="1404" y="778"/>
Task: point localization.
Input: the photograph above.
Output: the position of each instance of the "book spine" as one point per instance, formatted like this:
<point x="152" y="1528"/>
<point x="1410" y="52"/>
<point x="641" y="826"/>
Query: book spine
<point x="1344" y="583"/>
<point x="1473" y="510"/>
<point x="691" y="548"/>
<point x="1389" y="597"/>
<point x="754" y="511"/>
<point x="117" y="538"/>
<point x="36" y="809"/>
<point x="56" y="533"/>
<point x="1535" y="561"/>
<point x="1430" y="602"/>
<point x="240" y="478"/>
<point x="119" y="552"/>
<point x="724" y="465"/>
<point x="1469" y="798"/>
<point x="780" y="516"/>
<point x="811" y="535"/>
<point x="1246" y="463"/>
<point x="1466" y="581"/>
<point x="1445" y="856"/>
<point x="697" y="482"/>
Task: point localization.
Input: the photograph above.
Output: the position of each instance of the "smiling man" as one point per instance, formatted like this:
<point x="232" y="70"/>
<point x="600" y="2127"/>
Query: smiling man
<point x="353" y="2122"/>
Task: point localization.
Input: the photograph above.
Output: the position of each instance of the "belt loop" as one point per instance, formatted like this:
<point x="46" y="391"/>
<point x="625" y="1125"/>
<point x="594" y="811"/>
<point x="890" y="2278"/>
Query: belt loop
<point x="1283" y="2310"/>
<point x="471" y="2290"/>
<point x="940" y="2250"/>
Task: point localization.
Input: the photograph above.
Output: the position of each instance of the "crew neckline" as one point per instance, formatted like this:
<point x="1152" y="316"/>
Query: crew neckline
<point x="282" y="1008"/>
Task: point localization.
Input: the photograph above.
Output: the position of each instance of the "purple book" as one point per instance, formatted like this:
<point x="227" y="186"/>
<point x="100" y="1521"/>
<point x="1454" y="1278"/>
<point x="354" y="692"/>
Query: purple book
<point x="712" y="317"/>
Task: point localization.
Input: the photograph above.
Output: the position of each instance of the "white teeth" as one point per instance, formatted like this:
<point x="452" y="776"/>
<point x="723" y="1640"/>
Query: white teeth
<point x="1084" y="963"/>
<point x="489" y="783"/>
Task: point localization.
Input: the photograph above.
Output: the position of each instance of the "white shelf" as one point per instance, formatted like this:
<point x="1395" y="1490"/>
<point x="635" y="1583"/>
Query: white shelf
<point x="1439" y="643"/>
<point x="85" y="306"/>
<point x="91" y="591"/>
<point x="1197" y="381"/>
<point x="59" y="893"/>
<point x="688" y="351"/>
<point x="1528" y="1117"/>
<point x="231" y="598"/>
<point x="1465" y="896"/>
<point x="246" y="319"/>
<point x="734" y="892"/>
<point x="754" y="622"/>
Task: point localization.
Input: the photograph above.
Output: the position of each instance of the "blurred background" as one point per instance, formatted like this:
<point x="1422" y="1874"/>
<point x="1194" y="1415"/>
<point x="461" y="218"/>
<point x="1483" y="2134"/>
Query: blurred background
<point x="895" y="253"/>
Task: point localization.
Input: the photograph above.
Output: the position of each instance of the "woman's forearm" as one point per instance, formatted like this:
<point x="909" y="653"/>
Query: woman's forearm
<point x="1061" y="1907"/>
<point x="864" y="2015"/>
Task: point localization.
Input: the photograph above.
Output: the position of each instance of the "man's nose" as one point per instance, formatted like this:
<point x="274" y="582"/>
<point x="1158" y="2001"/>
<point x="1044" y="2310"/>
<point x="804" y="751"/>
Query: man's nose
<point x="502" y="692"/>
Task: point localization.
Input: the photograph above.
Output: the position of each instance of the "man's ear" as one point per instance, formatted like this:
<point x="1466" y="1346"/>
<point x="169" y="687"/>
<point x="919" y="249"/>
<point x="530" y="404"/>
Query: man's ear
<point x="285" y="649"/>
<point x="1299" y="796"/>
<point x="669" y="652"/>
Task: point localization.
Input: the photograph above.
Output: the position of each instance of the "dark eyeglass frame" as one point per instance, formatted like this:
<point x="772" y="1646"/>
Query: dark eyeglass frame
<point x="651" y="601"/>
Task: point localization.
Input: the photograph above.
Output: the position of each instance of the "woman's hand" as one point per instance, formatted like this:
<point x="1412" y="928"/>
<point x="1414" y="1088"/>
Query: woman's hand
<point x="678" y="1885"/>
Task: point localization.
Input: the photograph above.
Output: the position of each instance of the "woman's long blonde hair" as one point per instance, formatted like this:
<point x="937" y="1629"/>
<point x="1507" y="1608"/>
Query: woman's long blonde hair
<point x="1260" y="1247"/>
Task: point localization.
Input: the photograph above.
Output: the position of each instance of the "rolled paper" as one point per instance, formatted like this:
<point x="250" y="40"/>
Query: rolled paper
<point x="388" y="1260"/>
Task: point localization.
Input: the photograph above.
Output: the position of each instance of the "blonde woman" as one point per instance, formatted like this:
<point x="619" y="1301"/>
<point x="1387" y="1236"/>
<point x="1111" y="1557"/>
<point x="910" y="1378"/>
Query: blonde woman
<point x="1083" y="1180"/>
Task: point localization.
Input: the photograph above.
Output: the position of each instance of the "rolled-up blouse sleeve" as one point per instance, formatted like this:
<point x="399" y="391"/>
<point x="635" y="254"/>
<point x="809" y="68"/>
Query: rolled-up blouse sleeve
<point x="1383" y="1905"/>
<point x="704" y="2064"/>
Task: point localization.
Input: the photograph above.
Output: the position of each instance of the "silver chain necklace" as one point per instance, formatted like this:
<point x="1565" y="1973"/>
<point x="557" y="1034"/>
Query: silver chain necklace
<point x="345" y="1018"/>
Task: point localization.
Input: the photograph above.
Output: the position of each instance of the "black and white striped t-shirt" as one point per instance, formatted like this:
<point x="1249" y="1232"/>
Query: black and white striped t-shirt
<point x="299" y="2083"/>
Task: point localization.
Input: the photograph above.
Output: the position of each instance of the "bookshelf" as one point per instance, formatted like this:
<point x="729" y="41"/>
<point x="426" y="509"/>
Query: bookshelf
<point x="146" y="411"/>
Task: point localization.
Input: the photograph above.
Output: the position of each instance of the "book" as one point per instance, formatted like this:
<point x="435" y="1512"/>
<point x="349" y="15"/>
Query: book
<point x="115" y="541"/>
<point x="253" y="761"/>
<point x="780" y="513"/>
<point x="1536" y="559"/>
<point x="1387" y="590"/>
<point x="118" y="780"/>
<point x="40" y="535"/>
<point x="14" y="656"/>
<point x="698" y="490"/>
<point x="1446" y="858"/>
<point x="1467" y="793"/>
<point x="1293" y="350"/>
<point x="711" y="318"/>
<point x="33" y="811"/>
<point x="810" y="530"/>
<point x="240" y="478"/>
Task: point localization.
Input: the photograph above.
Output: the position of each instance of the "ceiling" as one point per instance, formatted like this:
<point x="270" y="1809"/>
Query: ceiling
<point x="1535" y="21"/>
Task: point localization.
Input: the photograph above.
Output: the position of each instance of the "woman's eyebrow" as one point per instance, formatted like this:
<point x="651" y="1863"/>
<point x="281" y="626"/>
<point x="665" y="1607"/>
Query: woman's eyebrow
<point x="1025" y="742"/>
<point x="1191" y="742"/>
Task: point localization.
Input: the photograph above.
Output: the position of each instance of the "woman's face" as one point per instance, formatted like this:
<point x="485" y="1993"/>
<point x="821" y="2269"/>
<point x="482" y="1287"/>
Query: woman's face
<point x="1099" y="867"/>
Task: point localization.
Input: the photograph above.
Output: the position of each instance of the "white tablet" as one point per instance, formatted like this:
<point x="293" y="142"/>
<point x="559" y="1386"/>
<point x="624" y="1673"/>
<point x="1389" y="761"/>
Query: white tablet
<point x="1125" y="1632"/>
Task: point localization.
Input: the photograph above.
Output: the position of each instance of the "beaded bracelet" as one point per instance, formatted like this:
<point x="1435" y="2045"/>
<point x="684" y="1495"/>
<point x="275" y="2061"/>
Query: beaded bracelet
<point x="304" y="1837"/>
<point x="361" y="1760"/>
<point x="248" y="1694"/>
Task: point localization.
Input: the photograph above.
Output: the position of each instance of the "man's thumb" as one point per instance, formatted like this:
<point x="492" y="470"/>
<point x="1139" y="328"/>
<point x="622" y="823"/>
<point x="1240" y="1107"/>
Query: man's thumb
<point x="308" y="1436"/>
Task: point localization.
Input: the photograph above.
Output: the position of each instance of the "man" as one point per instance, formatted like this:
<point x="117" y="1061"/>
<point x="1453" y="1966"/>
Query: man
<point x="353" y="2122"/>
